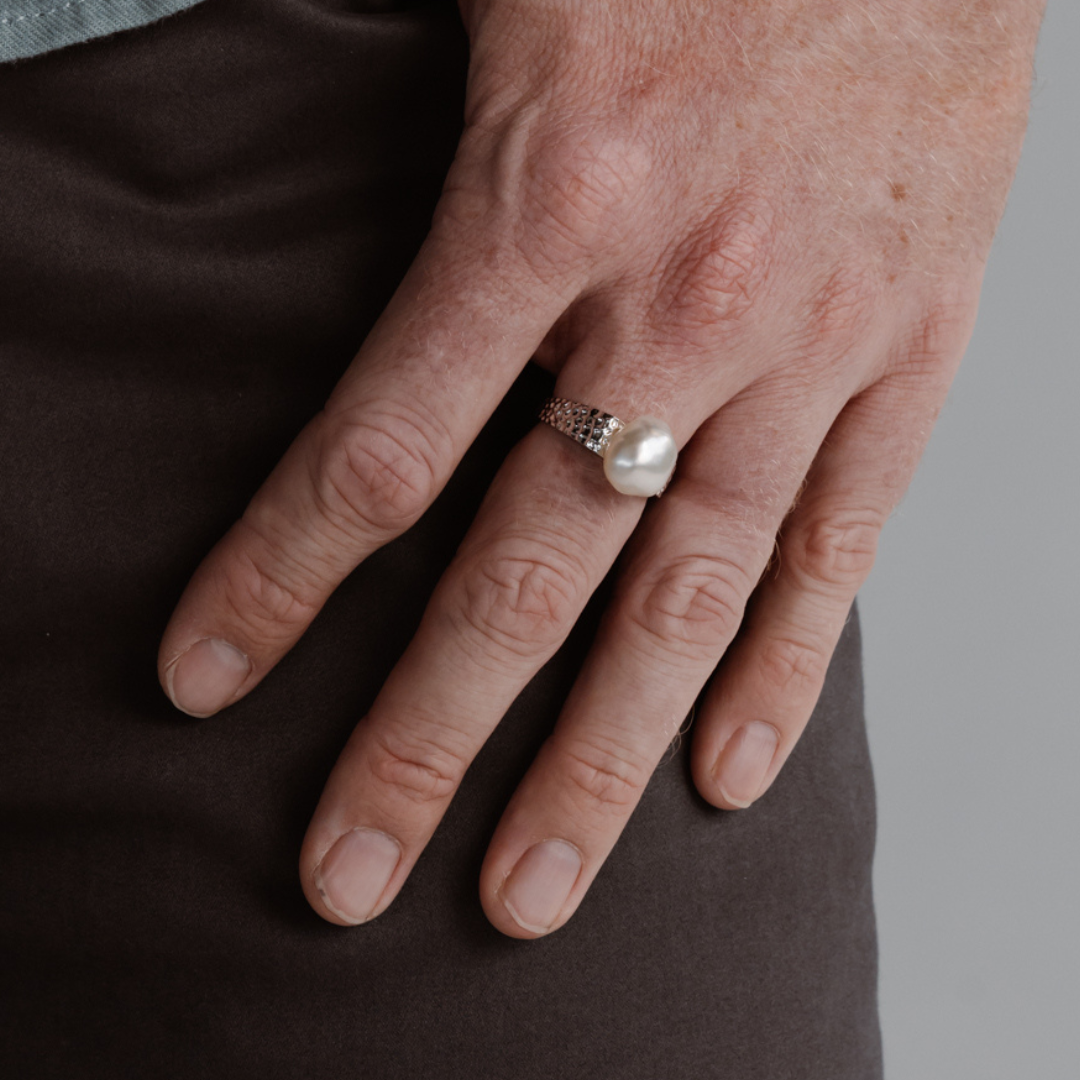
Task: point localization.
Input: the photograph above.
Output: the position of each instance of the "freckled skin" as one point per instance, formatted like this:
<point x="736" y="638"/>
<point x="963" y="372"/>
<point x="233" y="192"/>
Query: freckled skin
<point x="817" y="105"/>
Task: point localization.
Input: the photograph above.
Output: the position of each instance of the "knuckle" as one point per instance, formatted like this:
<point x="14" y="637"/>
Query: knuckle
<point x="694" y="607"/>
<point x="792" y="666"/>
<point x="843" y="308"/>
<point x="421" y="769"/>
<point x="604" y="777"/>
<point x="583" y="177"/>
<point x="267" y="595"/>
<point x="551" y="198"/>
<point x="937" y="342"/>
<point x="564" y="190"/>
<point x="377" y="473"/>
<point x="837" y="552"/>
<point x="522" y="603"/>
<point x="716" y="277"/>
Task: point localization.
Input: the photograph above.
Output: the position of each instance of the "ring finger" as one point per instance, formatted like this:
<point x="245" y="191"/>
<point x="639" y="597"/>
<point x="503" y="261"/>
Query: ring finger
<point x="693" y="563"/>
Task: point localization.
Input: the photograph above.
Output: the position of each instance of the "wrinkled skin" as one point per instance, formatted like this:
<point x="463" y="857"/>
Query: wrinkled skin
<point x="764" y="222"/>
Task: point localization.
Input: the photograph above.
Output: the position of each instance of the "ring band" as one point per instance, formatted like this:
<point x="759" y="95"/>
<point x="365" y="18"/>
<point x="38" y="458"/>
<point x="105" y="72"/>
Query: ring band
<point x="639" y="456"/>
<point x="590" y="427"/>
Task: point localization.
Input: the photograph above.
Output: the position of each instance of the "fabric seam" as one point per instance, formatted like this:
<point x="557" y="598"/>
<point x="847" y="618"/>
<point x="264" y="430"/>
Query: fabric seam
<point x="39" y="14"/>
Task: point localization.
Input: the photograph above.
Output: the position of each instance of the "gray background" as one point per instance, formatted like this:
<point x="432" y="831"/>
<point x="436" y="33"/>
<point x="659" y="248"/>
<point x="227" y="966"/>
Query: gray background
<point x="971" y="622"/>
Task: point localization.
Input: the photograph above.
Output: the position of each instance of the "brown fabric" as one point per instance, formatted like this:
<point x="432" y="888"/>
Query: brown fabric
<point x="198" y="221"/>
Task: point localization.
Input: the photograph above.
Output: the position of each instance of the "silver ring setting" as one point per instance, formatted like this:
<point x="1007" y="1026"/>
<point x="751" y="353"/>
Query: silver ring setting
<point x="639" y="456"/>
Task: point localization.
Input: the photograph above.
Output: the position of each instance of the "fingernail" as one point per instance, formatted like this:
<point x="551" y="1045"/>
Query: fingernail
<point x="744" y="761"/>
<point x="537" y="887"/>
<point x="354" y="873"/>
<point x="206" y="677"/>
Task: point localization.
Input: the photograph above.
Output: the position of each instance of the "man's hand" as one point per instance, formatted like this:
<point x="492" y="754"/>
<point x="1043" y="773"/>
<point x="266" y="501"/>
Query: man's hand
<point x="766" y="223"/>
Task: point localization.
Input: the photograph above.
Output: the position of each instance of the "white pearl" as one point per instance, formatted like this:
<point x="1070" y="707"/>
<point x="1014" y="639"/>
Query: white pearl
<point x="640" y="457"/>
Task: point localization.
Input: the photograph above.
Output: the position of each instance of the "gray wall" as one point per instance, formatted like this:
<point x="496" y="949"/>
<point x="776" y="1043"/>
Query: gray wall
<point x="971" y="621"/>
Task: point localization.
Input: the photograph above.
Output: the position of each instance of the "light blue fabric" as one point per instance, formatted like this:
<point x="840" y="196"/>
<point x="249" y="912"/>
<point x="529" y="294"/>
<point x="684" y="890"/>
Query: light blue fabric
<point x="29" y="27"/>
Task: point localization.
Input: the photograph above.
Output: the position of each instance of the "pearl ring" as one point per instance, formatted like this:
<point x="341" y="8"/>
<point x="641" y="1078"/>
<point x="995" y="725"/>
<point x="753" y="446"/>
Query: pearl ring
<point x="639" y="456"/>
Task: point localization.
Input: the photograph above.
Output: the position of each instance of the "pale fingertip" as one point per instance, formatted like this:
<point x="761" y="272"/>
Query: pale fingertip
<point x="206" y="677"/>
<point x="535" y="892"/>
<point x="744" y="763"/>
<point x="355" y="872"/>
<point x="738" y="804"/>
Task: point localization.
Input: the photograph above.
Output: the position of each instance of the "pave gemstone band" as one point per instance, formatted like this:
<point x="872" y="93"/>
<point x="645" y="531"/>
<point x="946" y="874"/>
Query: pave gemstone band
<point x="639" y="456"/>
<point x="590" y="427"/>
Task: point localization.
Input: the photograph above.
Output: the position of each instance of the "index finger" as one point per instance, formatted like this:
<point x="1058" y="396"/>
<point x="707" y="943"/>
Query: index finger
<point x="462" y="324"/>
